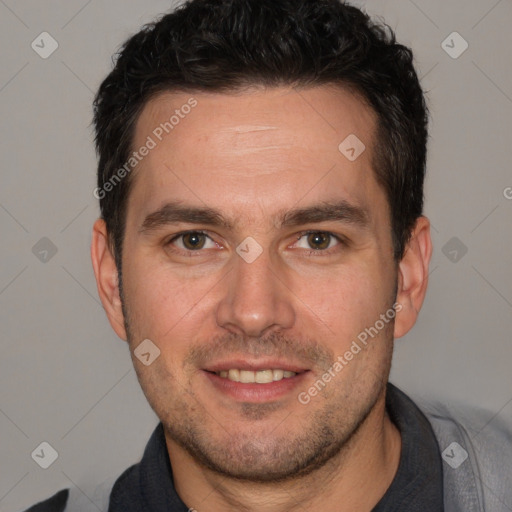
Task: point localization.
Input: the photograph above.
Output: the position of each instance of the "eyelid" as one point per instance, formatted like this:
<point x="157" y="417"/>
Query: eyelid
<point x="176" y="236"/>
<point x="322" y="231"/>
<point x="187" y="232"/>
<point x="340" y="239"/>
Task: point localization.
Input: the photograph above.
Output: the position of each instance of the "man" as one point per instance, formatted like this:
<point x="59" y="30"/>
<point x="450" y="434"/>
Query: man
<point x="261" y="244"/>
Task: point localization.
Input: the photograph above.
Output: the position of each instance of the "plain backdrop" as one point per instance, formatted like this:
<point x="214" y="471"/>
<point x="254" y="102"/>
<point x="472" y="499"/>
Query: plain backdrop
<point x="66" y="379"/>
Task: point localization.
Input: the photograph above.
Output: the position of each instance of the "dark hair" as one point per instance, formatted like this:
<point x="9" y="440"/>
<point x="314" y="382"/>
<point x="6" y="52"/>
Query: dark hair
<point x="228" y="45"/>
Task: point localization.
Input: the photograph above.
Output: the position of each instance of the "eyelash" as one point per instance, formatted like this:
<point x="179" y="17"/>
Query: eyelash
<point x="190" y="254"/>
<point x="309" y="252"/>
<point x="317" y="252"/>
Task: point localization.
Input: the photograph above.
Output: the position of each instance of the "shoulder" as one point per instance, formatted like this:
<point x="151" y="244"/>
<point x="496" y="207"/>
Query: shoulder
<point x="57" y="503"/>
<point x="74" y="500"/>
<point x="122" y="488"/>
<point x="476" y="447"/>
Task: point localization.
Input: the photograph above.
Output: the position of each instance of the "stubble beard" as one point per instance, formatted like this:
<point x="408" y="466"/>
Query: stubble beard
<point x="253" y="455"/>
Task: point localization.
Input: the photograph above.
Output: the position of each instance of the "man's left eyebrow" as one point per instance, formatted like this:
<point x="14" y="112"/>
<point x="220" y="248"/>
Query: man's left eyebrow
<point x="175" y="212"/>
<point x="341" y="211"/>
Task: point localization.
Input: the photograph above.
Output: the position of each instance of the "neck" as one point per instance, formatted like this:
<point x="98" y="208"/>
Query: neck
<point x="355" y="479"/>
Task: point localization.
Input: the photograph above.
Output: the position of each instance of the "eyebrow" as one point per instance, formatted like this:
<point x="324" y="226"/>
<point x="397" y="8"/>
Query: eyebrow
<point x="175" y="212"/>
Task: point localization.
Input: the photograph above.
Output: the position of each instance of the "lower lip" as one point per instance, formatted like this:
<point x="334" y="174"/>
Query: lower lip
<point x="255" y="392"/>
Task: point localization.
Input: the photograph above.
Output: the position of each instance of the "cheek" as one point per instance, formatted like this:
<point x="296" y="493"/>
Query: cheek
<point x="344" y="302"/>
<point x="160" y="299"/>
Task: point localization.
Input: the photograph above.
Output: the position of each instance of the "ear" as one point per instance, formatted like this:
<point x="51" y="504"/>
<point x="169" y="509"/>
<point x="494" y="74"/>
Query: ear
<point x="105" y="271"/>
<point x="413" y="277"/>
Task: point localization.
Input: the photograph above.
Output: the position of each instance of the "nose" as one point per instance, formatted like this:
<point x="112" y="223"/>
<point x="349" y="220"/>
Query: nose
<point x="256" y="299"/>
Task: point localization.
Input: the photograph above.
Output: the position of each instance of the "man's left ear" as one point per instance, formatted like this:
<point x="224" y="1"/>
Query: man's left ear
<point x="413" y="277"/>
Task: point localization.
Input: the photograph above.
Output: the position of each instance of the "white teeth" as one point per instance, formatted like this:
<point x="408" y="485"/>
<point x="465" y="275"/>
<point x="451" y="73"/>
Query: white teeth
<point x="234" y="375"/>
<point x="260" y="377"/>
<point x="247" y="376"/>
<point x="264" y="376"/>
<point x="277" y="374"/>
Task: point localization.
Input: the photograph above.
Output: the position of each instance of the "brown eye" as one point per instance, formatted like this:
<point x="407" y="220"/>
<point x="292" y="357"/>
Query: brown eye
<point x="319" y="241"/>
<point x="193" y="241"/>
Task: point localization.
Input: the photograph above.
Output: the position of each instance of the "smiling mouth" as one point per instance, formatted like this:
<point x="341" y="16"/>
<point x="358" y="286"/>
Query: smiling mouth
<point x="255" y="377"/>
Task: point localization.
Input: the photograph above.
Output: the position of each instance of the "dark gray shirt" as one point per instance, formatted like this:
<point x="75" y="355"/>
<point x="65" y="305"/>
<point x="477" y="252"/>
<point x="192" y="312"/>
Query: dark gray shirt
<point x="417" y="486"/>
<point x="418" y="483"/>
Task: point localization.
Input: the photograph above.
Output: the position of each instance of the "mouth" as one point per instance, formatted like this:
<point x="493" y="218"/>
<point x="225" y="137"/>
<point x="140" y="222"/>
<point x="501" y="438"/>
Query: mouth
<point x="255" y="382"/>
<point x="252" y="377"/>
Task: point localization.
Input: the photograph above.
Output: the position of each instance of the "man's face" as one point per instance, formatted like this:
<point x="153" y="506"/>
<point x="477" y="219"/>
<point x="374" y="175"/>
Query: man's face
<point x="273" y="281"/>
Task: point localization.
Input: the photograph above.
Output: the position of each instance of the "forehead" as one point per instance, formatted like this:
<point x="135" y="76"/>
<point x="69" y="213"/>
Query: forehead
<point x="269" y="148"/>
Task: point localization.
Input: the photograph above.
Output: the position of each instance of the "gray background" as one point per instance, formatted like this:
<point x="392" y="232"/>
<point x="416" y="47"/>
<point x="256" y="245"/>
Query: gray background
<point x="65" y="378"/>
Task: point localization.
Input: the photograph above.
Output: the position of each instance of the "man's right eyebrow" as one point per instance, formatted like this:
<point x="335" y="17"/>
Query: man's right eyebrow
<point x="340" y="211"/>
<point x="175" y="212"/>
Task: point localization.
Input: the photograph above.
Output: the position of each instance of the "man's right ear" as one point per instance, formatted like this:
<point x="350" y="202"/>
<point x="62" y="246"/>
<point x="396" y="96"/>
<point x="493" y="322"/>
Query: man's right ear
<point x="107" y="280"/>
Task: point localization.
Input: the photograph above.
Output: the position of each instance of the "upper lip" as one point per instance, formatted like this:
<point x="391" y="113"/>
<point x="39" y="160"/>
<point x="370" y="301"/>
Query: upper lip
<point x="255" y="365"/>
